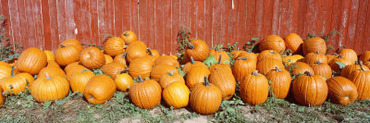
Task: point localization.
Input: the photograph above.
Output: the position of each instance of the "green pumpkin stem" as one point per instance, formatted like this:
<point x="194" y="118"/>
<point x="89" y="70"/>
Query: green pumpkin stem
<point x="316" y="52"/>
<point x="277" y="69"/>
<point x="340" y="56"/>
<point x="47" y="76"/>
<point x="62" y="46"/>
<point x="361" y="66"/>
<point x="124" y="71"/>
<point x="83" y="70"/>
<point x="171" y="73"/>
<point x="255" y="73"/>
<point x="149" y="51"/>
<point x="125" y="34"/>
<point x="206" y="82"/>
<point x="191" y="46"/>
<point x="140" y="79"/>
<point x="12" y="72"/>
<point x="219" y="59"/>
<point x="242" y="58"/>
<point x="318" y="62"/>
<point x="124" y="55"/>
<point x="307" y="73"/>
<point x="192" y="60"/>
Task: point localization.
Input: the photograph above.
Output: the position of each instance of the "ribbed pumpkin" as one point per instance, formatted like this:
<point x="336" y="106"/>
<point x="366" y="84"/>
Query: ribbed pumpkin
<point x="269" y="55"/>
<point x="71" y="71"/>
<point x="70" y="66"/>
<point x="52" y="71"/>
<point x="205" y="98"/>
<point x="176" y="95"/>
<point x="170" y="77"/>
<point x="5" y="69"/>
<point x="160" y="70"/>
<point x="222" y="76"/>
<point x="312" y="58"/>
<point x="267" y="65"/>
<point x="153" y="53"/>
<point x="92" y="58"/>
<point x="129" y="36"/>
<point x="236" y="53"/>
<point x="113" y="69"/>
<point x="361" y="79"/>
<point x="79" y="80"/>
<point x="197" y="49"/>
<point x="31" y="60"/>
<point x="71" y="42"/>
<point x="49" y="55"/>
<point x="99" y="89"/>
<point x="322" y="69"/>
<point x="65" y="55"/>
<point x="141" y="66"/>
<point x="49" y="88"/>
<point x="254" y="89"/>
<point x="13" y="84"/>
<point x="120" y="59"/>
<point x="123" y="81"/>
<point x="314" y="44"/>
<point x="52" y="64"/>
<point x="220" y="54"/>
<point x="348" y="54"/>
<point x="300" y="68"/>
<point x="346" y="71"/>
<point x="192" y="64"/>
<point x="272" y="42"/>
<point x="1" y="98"/>
<point x="365" y="57"/>
<point x="310" y="90"/>
<point x="341" y="90"/>
<point x="287" y="60"/>
<point x="108" y="59"/>
<point x="27" y="77"/>
<point x="196" y="75"/>
<point x="243" y="66"/>
<point x="333" y="63"/>
<point x="293" y="42"/>
<point x="145" y="94"/>
<point x="114" y="46"/>
<point x="135" y="50"/>
<point x="281" y="80"/>
<point x="331" y="57"/>
<point x="249" y="55"/>
<point x="166" y="60"/>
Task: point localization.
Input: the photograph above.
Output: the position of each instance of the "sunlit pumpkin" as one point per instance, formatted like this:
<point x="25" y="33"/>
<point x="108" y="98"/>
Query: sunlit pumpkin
<point x="289" y="59"/>
<point x="123" y="81"/>
<point x="145" y="94"/>
<point x="13" y="84"/>
<point x="269" y="55"/>
<point x="129" y="36"/>
<point x="170" y="77"/>
<point x="71" y="42"/>
<point x="108" y="59"/>
<point x="31" y="60"/>
<point x="114" y="46"/>
<point x="312" y="58"/>
<point x="222" y="76"/>
<point x="309" y="90"/>
<point x="136" y="50"/>
<point x="280" y="82"/>
<point x="293" y="42"/>
<point x="79" y="80"/>
<point x="192" y="64"/>
<point x="361" y="79"/>
<point x="99" y="89"/>
<point x="254" y="89"/>
<point x="243" y="66"/>
<point x="341" y="90"/>
<point x="92" y="58"/>
<point x="49" y="88"/>
<point x="176" y="95"/>
<point x="196" y="75"/>
<point x="141" y="66"/>
<point x="348" y="54"/>
<point x="314" y="44"/>
<point x="197" y="49"/>
<point x="120" y="59"/>
<point x="65" y="55"/>
<point x="205" y="98"/>
<point x="113" y="69"/>
<point x="272" y="42"/>
<point x="322" y="69"/>
<point x="49" y="55"/>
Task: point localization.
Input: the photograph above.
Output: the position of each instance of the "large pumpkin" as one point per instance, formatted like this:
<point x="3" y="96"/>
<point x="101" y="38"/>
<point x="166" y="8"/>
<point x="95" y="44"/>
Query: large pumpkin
<point x="348" y="54"/>
<point x="145" y="94"/>
<point x="192" y="64"/>
<point x="341" y="90"/>
<point x="170" y="77"/>
<point x="361" y="79"/>
<point x="235" y="54"/>
<point x="281" y="80"/>
<point x="312" y="58"/>
<point x="31" y="60"/>
<point x="254" y="89"/>
<point x="334" y="65"/>
<point x="265" y="66"/>
<point x="13" y="84"/>
<point x="205" y="98"/>
<point x="114" y="46"/>
<point x="79" y="80"/>
<point x="66" y="55"/>
<point x="135" y="50"/>
<point x="314" y="44"/>
<point x="243" y="66"/>
<point x="113" y="69"/>
<point x="176" y="95"/>
<point x="217" y="54"/>
<point x="92" y="58"/>
<point x="159" y="70"/>
<point x="222" y="76"/>
<point x="166" y="60"/>
<point x="346" y="71"/>
<point x="52" y="71"/>
<point x="129" y="36"/>
<point x="290" y="59"/>
<point x="269" y="55"/>
<point x="322" y="69"/>
<point x="300" y="68"/>
<point x="141" y="66"/>
<point x="123" y="81"/>
<point x="310" y="90"/>
<point x="197" y="49"/>
<point x="71" y="42"/>
<point x="5" y="69"/>
<point x="272" y="42"/>
<point x="196" y="75"/>
<point x="99" y="89"/>
<point x="49" y="55"/>
<point x="249" y="55"/>
<point x="293" y="42"/>
<point x="49" y="88"/>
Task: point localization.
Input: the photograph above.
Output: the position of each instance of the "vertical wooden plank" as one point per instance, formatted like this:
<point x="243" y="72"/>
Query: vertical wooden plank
<point x="23" y="21"/>
<point x="301" y="18"/>
<point x="142" y="17"/>
<point x="225" y="15"/>
<point x="366" y="39"/>
<point x="54" y="34"/>
<point x="200" y="25"/>
<point x="275" y="18"/>
<point x="61" y="18"/>
<point x="319" y="12"/>
<point x="327" y="6"/>
<point x="134" y="24"/>
<point x="184" y="14"/>
<point x="193" y="16"/>
<point x="82" y="19"/>
<point x="250" y="19"/>
<point x="70" y="24"/>
<point x="94" y="25"/>
<point x="294" y="11"/>
<point x="284" y="19"/>
<point x="109" y="17"/>
<point x="102" y="20"/>
<point x="258" y="22"/>
<point x="119" y="12"/>
<point x="150" y="20"/>
<point x="208" y="21"/>
<point x="37" y="16"/>
<point x="267" y="18"/>
<point x="169" y="39"/>
<point x="335" y="21"/>
<point x="175" y="24"/>
<point x="46" y="25"/>
<point x="343" y="26"/>
<point x="352" y="24"/>
<point x="310" y="18"/>
<point x="13" y="18"/>
<point x="361" y="23"/>
<point x="160" y="31"/>
<point x="216" y="23"/>
<point x="241" y="33"/>
<point x="31" y="32"/>
<point x="233" y="22"/>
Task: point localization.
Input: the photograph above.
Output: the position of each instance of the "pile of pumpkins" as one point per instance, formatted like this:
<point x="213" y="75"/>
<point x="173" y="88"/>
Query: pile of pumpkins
<point x="128" y="65"/>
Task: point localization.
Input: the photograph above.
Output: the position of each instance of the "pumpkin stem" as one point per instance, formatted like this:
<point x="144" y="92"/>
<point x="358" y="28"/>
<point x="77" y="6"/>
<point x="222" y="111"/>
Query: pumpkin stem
<point x="290" y="54"/>
<point x="83" y="70"/>
<point x="242" y="58"/>
<point x="150" y="52"/>
<point x="361" y="66"/>
<point x="219" y="59"/>
<point x="47" y="76"/>
<point x="316" y="52"/>
<point x="125" y="34"/>
<point x="356" y="62"/>
<point x="339" y="56"/>
<point x="12" y="72"/>
<point x="191" y="46"/>
<point x="124" y="55"/>
<point x="124" y="71"/>
<point x="140" y="79"/>
<point x="192" y="60"/>
<point x="272" y="51"/>
<point x="62" y="46"/>
<point x="255" y="72"/>
<point x="307" y="73"/>
<point x="277" y="69"/>
<point x="206" y="82"/>
<point x="318" y="62"/>
<point x="171" y="72"/>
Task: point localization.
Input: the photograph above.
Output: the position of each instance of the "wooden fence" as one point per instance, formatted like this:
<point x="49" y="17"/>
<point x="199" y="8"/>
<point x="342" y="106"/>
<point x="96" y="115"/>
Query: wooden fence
<point x="45" y="23"/>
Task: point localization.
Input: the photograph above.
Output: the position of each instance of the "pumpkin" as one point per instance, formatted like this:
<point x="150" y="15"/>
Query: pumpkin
<point x="5" y="69"/>
<point x="123" y="81"/>
<point x="113" y="69"/>
<point x="254" y="88"/>
<point x="49" y="88"/>
<point x="120" y="59"/>
<point x="52" y="64"/>
<point x="176" y="95"/>
<point x="288" y="60"/>
<point x="108" y="59"/>
<point x="361" y="79"/>
<point x="129" y="36"/>
<point x="365" y="57"/>
<point x="348" y="54"/>
<point x="205" y="98"/>
<point x="191" y="64"/>
<point x="331" y="57"/>
<point x="79" y="80"/>
<point x="293" y="42"/>
<point x="49" y="55"/>
<point x="346" y="71"/>
<point x="309" y="90"/>
<point x="281" y="81"/>
<point x="114" y="46"/>
<point x="13" y="84"/>
<point x="170" y="77"/>
<point x="249" y="55"/>
<point x="300" y="68"/>
<point x="92" y="58"/>
<point x="76" y="68"/>
<point x="333" y="63"/>
<point x="26" y="77"/>
<point x="70" y="66"/>
<point x="243" y="66"/>
<point x="222" y="76"/>
<point x="52" y="71"/>
<point x="265" y="66"/>
<point x="166" y="60"/>
<point x="145" y="94"/>
<point x="217" y="54"/>
<point x="314" y="44"/>
<point x="99" y="89"/>
<point x="197" y="49"/>
<point x="66" y="55"/>
<point x="159" y="70"/>
<point x="31" y="60"/>
<point x="71" y="42"/>
<point x="1" y="98"/>
<point x="141" y="66"/>
<point x="269" y="55"/>
<point x="322" y="69"/>
<point x="154" y="53"/>
<point x="236" y="53"/>
<point x="272" y="42"/>
<point x="312" y="58"/>
<point x="135" y="50"/>
<point x="196" y="75"/>
<point x="341" y="90"/>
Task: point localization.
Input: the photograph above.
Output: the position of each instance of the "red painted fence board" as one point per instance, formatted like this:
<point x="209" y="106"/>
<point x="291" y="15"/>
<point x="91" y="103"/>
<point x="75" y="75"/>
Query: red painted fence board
<point x="45" y="23"/>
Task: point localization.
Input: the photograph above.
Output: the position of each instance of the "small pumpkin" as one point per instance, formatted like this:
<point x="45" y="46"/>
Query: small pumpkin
<point x="123" y="81"/>
<point x="281" y="81"/>
<point x="79" y="80"/>
<point x="120" y="59"/>
<point x="114" y="46"/>
<point x="49" y="55"/>
<point x="269" y="55"/>
<point x="141" y="66"/>
<point x="71" y="42"/>
<point x="135" y="50"/>
<point x="365" y="57"/>
<point x="310" y="90"/>
<point x="222" y="76"/>
<point x="272" y="42"/>
<point x="176" y="95"/>
<point x="265" y="66"/>
<point x="160" y="70"/>
<point x="99" y="89"/>
<point x="331" y="57"/>
<point x="65" y="55"/>
<point x="13" y="84"/>
<point x="361" y="79"/>
<point x="191" y="64"/>
<point x="196" y="75"/>
<point x="92" y="58"/>
<point x="154" y="53"/>
<point x="5" y="69"/>
<point x="145" y="94"/>
<point x="290" y="59"/>
<point x="312" y="58"/>
<point x="71" y="71"/>
<point x="49" y="88"/>
<point x="254" y="88"/>
<point x="129" y="36"/>
<point x="348" y="54"/>
<point x="217" y="54"/>
<point x="333" y="63"/>
<point x="113" y="69"/>
<point x="300" y="68"/>
<point x="314" y="44"/>
<point x="322" y="69"/>
<point x="346" y="71"/>
<point x="198" y="49"/>
<point x="166" y="60"/>
<point x="108" y="59"/>
<point x="341" y="90"/>
<point x="27" y="77"/>
<point x="205" y="98"/>
<point x="243" y="66"/>
<point x="170" y="77"/>
<point x="31" y="60"/>
<point x="293" y="42"/>
<point x="236" y="53"/>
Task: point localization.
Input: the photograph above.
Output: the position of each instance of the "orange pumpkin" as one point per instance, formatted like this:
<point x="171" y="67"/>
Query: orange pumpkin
<point x="222" y="76"/>
<point x="99" y="89"/>
<point x="348" y="54"/>
<point x="310" y="90"/>
<point x="333" y="63"/>
<point x="166" y="60"/>
<point x="365" y="57"/>
<point x="141" y="66"/>
<point x="220" y="54"/>
<point x="331" y="57"/>
<point x="120" y="59"/>
<point x="265" y="66"/>
<point x="49" y="55"/>
<point x="123" y="81"/>
<point x="49" y="88"/>
<point x="254" y="89"/>
<point x="160" y="70"/>
<point x="79" y="80"/>
<point x="52" y="71"/>
<point x="66" y="55"/>
<point x="341" y="90"/>
<point x="13" y="84"/>
<point x="249" y="55"/>
<point x="236" y="53"/>
<point x="113" y="69"/>
<point x="346" y="71"/>
<point x="31" y="60"/>
<point x="191" y="64"/>
<point x="290" y="59"/>
<point x="314" y="44"/>
<point x="300" y="68"/>
<point x="243" y="66"/>
<point x="1" y="98"/>
<point x="170" y="77"/>
<point x="129" y="36"/>
<point x="176" y="95"/>
<point x="108" y="59"/>
<point x="293" y="42"/>
<point x="5" y="69"/>
<point x="205" y="98"/>
<point x="154" y="53"/>
<point x="272" y="42"/>
<point x="322" y="69"/>
<point x="71" y="42"/>
<point x="92" y="58"/>
<point x="361" y="79"/>
<point x="281" y="81"/>
<point x="312" y="58"/>
<point x="53" y="64"/>
<point x="197" y="49"/>
<point x="145" y="94"/>
<point x="269" y="55"/>
<point x="71" y="71"/>
<point x="196" y="75"/>
<point x="114" y="46"/>
<point x="135" y="50"/>
<point x="26" y="77"/>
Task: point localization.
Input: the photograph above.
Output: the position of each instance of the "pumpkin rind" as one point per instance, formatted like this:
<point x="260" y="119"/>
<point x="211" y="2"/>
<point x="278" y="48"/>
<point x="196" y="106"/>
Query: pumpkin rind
<point x="222" y="76"/>
<point x="135" y="50"/>
<point x="141" y="66"/>
<point x="196" y="75"/>
<point x="13" y="84"/>
<point x="113" y="69"/>
<point x="120" y="59"/>
<point x="265" y="66"/>
<point x="269" y="55"/>
<point x="272" y="42"/>
<point x="322" y="69"/>
<point x="197" y="49"/>
<point x="108" y="59"/>
<point x="49" y="55"/>
<point x="314" y="44"/>
<point x="5" y="69"/>
<point x="66" y="55"/>
<point x="341" y="90"/>
<point x="170" y="77"/>
<point x="92" y="58"/>
<point x="300" y="68"/>
<point x="49" y="89"/>
<point x="361" y="79"/>
<point x="176" y="95"/>
<point x="205" y="98"/>
<point x="71" y="42"/>
<point x="243" y="66"/>
<point x="166" y="60"/>
<point x="281" y="81"/>
<point x="99" y="89"/>
<point x="293" y="42"/>
<point x="312" y="58"/>
<point x="123" y="82"/>
<point x="31" y="60"/>
<point x="348" y="54"/>
<point x="79" y="80"/>
<point x="254" y="89"/>
<point x="114" y="46"/>
<point x="310" y="90"/>
<point x="129" y="36"/>
<point x="145" y="94"/>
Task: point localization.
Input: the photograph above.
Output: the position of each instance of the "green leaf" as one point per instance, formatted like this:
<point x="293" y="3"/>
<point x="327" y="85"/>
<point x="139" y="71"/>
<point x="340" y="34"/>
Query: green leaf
<point x="270" y="82"/>
<point x="301" y="109"/>
<point x="340" y="64"/>
<point x="47" y="104"/>
<point x="210" y="60"/>
<point x="226" y="62"/>
<point x="181" y="72"/>
<point x="255" y="39"/>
